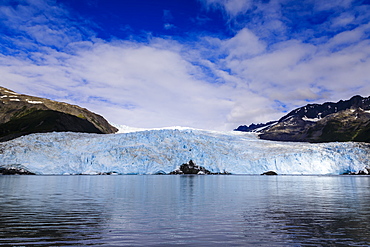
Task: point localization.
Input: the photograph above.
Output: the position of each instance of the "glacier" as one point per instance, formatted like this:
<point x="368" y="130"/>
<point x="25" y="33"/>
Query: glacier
<point x="164" y="150"/>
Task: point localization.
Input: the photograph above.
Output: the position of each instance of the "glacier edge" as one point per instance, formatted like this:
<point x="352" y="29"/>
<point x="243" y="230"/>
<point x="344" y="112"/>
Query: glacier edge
<point x="149" y="152"/>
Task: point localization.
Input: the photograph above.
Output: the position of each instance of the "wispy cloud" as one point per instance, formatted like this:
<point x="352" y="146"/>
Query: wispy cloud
<point x="168" y="18"/>
<point x="38" y="23"/>
<point x="232" y="8"/>
<point x="320" y="53"/>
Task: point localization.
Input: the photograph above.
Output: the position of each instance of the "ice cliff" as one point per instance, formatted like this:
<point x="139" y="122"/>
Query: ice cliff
<point x="150" y="152"/>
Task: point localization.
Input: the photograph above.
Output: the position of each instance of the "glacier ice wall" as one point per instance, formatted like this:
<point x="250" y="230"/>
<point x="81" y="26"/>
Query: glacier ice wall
<point x="149" y="152"/>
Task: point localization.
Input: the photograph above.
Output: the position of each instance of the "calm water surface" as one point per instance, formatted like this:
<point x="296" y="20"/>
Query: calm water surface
<point x="185" y="210"/>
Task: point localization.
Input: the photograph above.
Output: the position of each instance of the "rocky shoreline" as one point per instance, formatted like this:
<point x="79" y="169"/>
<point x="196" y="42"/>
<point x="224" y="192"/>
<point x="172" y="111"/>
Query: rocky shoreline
<point x="15" y="170"/>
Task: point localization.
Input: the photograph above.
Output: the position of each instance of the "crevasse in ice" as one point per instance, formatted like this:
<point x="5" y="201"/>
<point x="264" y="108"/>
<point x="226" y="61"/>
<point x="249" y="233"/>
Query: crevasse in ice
<point x="150" y="152"/>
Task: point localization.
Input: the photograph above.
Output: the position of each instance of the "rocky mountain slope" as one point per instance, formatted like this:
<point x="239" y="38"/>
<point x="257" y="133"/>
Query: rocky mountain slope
<point x="23" y="114"/>
<point x="347" y="120"/>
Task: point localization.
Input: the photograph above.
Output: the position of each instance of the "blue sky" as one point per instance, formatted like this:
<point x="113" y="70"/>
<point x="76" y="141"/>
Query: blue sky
<point x="211" y="64"/>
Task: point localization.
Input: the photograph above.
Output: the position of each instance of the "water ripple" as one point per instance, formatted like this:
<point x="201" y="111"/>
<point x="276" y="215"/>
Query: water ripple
<point x="184" y="210"/>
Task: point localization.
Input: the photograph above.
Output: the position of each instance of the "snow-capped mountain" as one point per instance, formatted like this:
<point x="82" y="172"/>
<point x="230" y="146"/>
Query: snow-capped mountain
<point x="23" y="114"/>
<point x="347" y="120"/>
<point x="163" y="151"/>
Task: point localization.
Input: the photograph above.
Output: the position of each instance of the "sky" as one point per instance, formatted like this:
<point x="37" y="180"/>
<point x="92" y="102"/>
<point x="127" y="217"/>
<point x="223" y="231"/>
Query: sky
<point x="209" y="64"/>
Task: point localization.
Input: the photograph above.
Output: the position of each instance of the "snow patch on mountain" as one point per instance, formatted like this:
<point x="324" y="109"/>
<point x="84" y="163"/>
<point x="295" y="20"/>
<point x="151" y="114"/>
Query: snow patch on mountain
<point x="162" y="151"/>
<point x="310" y="119"/>
<point x="7" y="91"/>
<point x="34" y="101"/>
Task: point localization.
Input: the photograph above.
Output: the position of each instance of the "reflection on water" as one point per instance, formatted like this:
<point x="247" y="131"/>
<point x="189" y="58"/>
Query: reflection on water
<point x="185" y="210"/>
<point x="315" y="211"/>
<point x="48" y="210"/>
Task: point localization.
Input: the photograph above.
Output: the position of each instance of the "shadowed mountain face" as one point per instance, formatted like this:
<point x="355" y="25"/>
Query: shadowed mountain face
<point x="22" y="114"/>
<point x="347" y="120"/>
<point x="41" y="121"/>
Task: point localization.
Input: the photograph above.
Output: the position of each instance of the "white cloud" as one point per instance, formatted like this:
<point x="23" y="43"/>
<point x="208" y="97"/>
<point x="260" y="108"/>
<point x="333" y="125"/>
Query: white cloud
<point x="293" y="72"/>
<point x="168" y="26"/>
<point x="343" y="20"/>
<point x="214" y="83"/>
<point x="244" y="44"/>
<point x="346" y="38"/>
<point x="43" y="22"/>
<point x="331" y="4"/>
<point x="142" y="85"/>
<point x="154" y="85"/>
<point x="167" y="18"/>
<point x="235" y="7"/>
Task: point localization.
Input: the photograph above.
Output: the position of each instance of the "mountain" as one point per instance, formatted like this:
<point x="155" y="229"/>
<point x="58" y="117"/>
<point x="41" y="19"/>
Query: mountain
<point x="23" y="114"/>
<point x="347" y="120"/>
<point x="164" y="151"/>
<point x="255" y="127"/>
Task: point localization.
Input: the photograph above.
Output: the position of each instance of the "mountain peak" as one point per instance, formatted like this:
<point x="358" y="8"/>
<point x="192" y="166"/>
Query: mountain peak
<point x="16" y="111"/>
<point x="345" y="120"/>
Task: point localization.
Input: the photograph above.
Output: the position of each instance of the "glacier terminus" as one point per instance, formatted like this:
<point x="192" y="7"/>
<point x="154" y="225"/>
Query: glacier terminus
<point x="164" y="150"/>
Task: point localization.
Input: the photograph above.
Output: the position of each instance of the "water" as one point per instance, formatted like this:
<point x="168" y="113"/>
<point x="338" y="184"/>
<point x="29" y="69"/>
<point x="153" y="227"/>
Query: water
<point x="185" y="210"/>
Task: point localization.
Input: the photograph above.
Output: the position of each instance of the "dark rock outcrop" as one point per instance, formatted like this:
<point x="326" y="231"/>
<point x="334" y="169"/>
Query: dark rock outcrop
<point x="23" y="114"/>
<point x="160" y="173"/>
<point x="192" y="168"/>
<point x="269" y="173"/>
<point x="365" y="171"/>
<point x="15" y="170"/>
